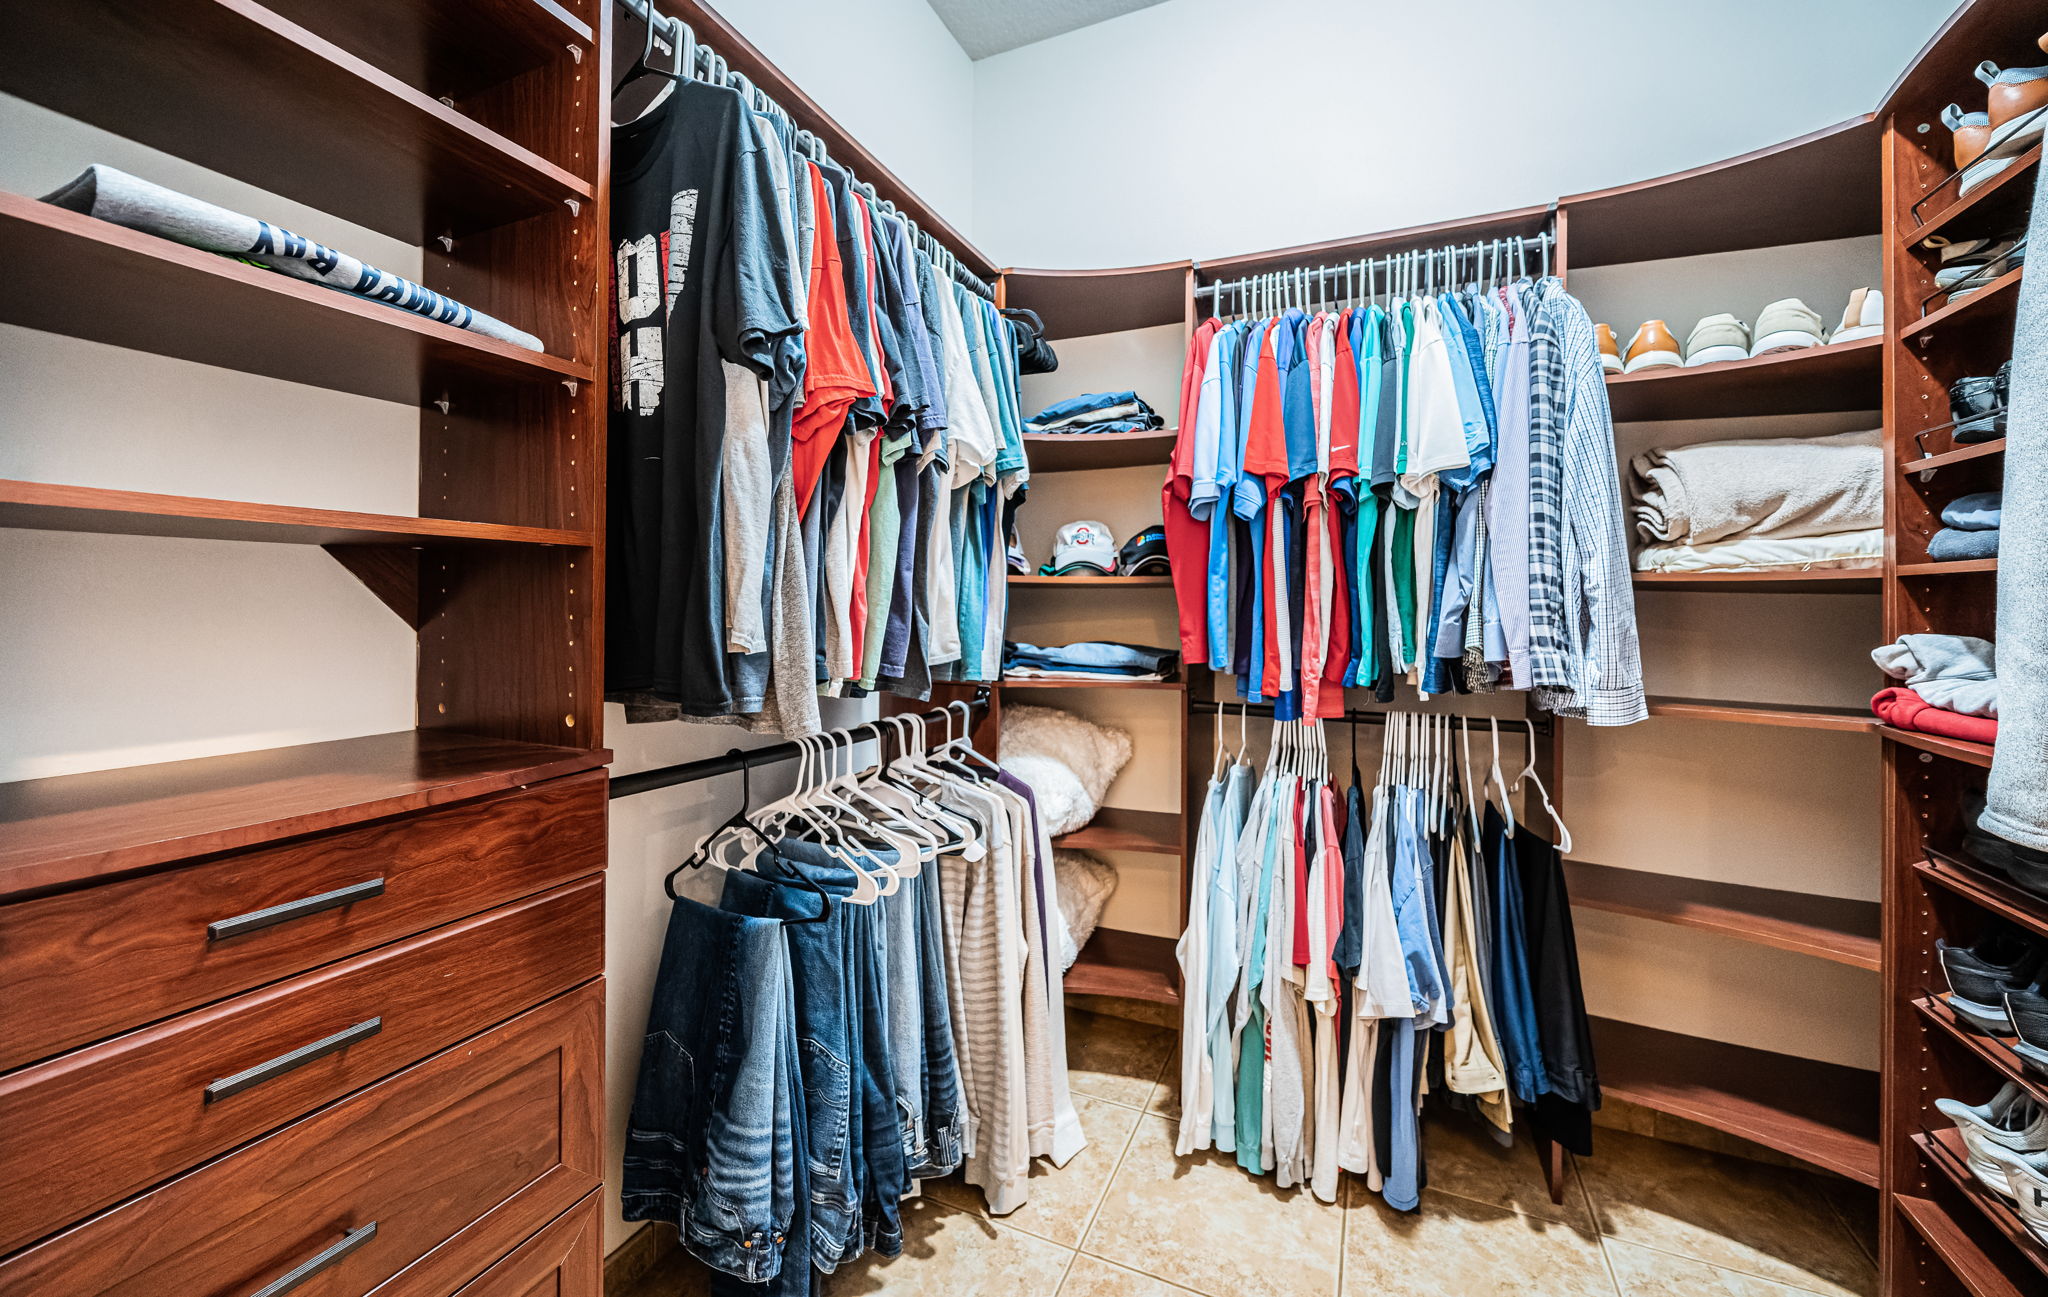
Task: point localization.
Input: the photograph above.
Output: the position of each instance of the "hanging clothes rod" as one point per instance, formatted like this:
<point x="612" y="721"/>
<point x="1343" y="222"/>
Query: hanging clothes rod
<point x="701" y="63"/>
<point x="1540" y="725"/>
<point x="689" y="772"/>
<point x="1367" y="276"/>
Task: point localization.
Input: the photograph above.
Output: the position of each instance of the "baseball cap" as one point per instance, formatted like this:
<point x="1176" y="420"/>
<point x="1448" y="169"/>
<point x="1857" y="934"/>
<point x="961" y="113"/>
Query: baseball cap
<point x="1084" y="546"/>
<point x="1144" y="553"/>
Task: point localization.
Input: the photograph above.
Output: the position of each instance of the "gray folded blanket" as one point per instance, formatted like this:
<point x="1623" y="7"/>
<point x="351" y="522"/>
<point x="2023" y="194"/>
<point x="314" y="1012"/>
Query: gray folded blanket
<point x="1781" y="487"/>
<point x="1981" y="511"/>
<point x="115" y="196"/>
<point x="1952" y="545"/>
<point x="1959" y="672"/>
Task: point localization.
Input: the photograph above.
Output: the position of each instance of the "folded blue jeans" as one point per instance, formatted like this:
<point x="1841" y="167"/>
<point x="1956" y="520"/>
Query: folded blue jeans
<point x="1087" y="403"/>
<point x="1137" y="659"/>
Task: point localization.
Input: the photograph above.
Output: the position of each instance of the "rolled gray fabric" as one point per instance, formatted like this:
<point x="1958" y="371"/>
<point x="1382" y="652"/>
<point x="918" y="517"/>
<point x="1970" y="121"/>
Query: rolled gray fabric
<point x="2016" y="800"/>
<point x="117" y="197"/>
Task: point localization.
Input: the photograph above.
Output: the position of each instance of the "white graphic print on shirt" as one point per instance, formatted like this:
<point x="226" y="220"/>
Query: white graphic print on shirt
<point x="648" y="271"/>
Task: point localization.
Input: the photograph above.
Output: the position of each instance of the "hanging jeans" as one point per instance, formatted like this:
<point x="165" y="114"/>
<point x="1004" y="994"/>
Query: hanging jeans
<point x="713" y="1133"/>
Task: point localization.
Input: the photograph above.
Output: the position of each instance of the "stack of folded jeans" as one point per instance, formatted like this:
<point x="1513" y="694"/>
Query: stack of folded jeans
<point x="1969" y="528"/>
<point x="1088" y="660"/>
<point x="1096" y="412"/>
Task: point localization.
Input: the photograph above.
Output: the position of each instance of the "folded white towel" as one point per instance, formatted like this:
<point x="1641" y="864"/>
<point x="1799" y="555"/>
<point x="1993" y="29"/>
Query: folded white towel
<point x="1769" y="554"/>
<point x="1778" y="487"/>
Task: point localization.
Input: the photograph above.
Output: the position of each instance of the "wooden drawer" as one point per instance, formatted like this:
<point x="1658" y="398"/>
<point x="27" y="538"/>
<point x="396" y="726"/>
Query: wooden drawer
<point x="79" y="966"/>
<point x="454" y="1162"/>
<point x="564" y="1260"/>
<point x="87" y="1129"/>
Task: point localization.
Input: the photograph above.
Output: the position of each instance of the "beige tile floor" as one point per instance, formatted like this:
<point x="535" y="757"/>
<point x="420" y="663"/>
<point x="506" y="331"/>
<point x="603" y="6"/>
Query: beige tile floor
<point x="1126" y="1218"/>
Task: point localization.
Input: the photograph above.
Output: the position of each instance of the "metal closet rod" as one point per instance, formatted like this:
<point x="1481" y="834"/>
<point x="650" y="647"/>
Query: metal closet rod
<point x="739" y="759"/>
<point x="694" y="53"/>
<point x="1415" y="264"/>
<point x="1541" y="725"/>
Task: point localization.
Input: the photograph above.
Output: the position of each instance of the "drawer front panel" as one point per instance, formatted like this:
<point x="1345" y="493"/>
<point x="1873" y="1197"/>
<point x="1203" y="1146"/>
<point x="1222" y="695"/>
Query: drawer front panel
<point x="87" y="1129"/>
<point x="80" y="966"/>
<point x="564" y="1260"/>
<point x="455" y="1162"/>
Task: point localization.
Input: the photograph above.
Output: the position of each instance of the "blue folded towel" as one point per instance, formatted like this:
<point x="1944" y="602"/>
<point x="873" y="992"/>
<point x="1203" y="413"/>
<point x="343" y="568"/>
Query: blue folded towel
<point x="1977" y="512"/>
<point x="1952" y="545"/>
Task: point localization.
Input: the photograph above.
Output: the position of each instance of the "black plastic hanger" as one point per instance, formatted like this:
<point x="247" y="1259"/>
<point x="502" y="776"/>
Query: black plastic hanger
<point x="643" y="67"/>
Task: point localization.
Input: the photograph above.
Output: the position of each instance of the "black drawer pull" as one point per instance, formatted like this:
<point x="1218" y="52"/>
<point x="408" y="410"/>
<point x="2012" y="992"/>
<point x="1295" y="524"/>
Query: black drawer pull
<point x="299" y="1057"/>
<point x="319" y="1261"/>
<point x="255" y="920"/>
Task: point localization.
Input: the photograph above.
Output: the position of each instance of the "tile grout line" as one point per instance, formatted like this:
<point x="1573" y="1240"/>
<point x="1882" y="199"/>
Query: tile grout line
<point x="1716" y="1265"/>
<point x="1109" y="1182"/>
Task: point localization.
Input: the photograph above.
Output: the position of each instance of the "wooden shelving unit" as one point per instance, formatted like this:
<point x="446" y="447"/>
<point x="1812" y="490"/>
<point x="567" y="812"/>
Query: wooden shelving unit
<point x="1840" y="376"/>
<point x="1956" y="567"/>
<point x="1131" y="965"/>
<point x="1950" y="458"/>
<point x="1061" y="452"/>
<point x="1116" y="828"/>
<point x="1785" y="715"/>
<point x="1843" y="931"/>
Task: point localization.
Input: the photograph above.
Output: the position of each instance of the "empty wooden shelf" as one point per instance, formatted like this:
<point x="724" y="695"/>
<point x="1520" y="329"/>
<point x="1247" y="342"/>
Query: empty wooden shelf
<point x="1992" y="893"/>
<point x="1854" y="720"/>
<point x="1976" y="754"/>
<point x="1035" y="580"/>
<point x="1954" y="567"/>
<point x="1057" y="452"/>
<point x="1844" y="931"/>
<point x="1116" y="828"/>
<point x="1841" y="376"/>
<point x="1960" y="455"/>
<point x="1831" y="580"/>
<point x="1821" y="1113"/>
<point x="1131" y="965"/>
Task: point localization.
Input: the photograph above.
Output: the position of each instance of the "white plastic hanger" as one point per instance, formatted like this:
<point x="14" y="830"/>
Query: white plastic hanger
<point x="1529" y="773"/>
<point x="1507" y="804"/>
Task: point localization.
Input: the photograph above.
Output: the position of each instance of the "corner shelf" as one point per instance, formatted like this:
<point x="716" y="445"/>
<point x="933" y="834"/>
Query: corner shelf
<point x="1826" y="927"/>
<point x="1821" y="1113"/>
<point x="1827" y="580"/>
<point x="1976" y="754"/>
<point x="1061" y="452"/>
<point x="70" y="274"/>
<point x="1129" y="965"/>
<point x="1786" y="715"/>
<point x="72" y="828"/>
<point x="1116" y="828"/>
<point x="1837" y="376"/>
<point x="46" y="506"/>
<point x="1960" y="455"/>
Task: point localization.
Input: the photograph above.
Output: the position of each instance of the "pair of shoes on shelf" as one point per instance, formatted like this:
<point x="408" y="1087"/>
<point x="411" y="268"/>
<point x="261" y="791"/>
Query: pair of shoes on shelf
<point x="1999" y="985"/>
<point x="1967" y="265"/>
<point x="2015" y="110"/>
<point x="2006" y="1142"/>
<point x="1977" y="404"/>
<point x="1785" y="325"/>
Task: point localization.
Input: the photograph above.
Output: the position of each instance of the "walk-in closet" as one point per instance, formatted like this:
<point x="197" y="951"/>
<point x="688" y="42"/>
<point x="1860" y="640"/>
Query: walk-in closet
<point x="1115" y="648"/>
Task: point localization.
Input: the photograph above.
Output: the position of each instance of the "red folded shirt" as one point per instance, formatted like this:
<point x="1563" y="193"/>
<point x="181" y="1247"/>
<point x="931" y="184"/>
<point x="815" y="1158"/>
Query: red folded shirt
<point x="1906" y="710"/>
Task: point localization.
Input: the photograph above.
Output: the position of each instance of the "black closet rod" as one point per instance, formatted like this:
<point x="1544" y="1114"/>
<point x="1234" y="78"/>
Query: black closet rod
<point x="682" y="37"/>
<point x="689" y="772"/>
<point x="1202" y="707"/>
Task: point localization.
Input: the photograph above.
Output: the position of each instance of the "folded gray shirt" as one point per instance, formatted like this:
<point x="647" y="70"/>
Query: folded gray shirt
<point x="1958" y="672"/>
<point x="1978" y="512"/>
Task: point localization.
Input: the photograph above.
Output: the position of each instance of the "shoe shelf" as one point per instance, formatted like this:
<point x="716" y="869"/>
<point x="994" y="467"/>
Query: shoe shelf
<point x="1821" y="1113"/>
<point x="1943" y="1150"/>
<point x="1061" y="452"/>
<point x="1994" y="1051"/>
<point x="1956" y="567"/>
<point x="1987" y="892"/>
<point x="1036" y="580"/>
<point x="1832" y="580"/>
<point x="268" y="101"/>
<point x="1989" y="307"/>
<point x="1837" y="376"/>
<point x="1976" y="754"/>
<point x="1842" y="931"/>
<point x="1989" y="202"/>
<point x="68" y="829"/>
<point x="1949" y="1241"/>
<point x="1949" y="458"/>
<point x="46" y="506"/>
<point x="1129" y="965"/>
<point x="1849" y="720"/>
<point x="1118" y="828"/>
<point x="68" y="273"/>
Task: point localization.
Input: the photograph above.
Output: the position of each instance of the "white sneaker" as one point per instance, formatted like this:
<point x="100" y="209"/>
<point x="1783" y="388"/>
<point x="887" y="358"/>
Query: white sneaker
<point x="1786" y="325"/>
<point x="1863" y="317"/>
<point x="2027" y="1186"/>
<point x="2011" y="1123"/>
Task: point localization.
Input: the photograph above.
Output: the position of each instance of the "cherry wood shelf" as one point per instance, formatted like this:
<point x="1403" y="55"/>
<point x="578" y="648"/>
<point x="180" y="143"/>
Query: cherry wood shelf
<point x="268" y="101"/>
<point x="1960" y="455"/>
<point x="1129" y="965"/>
<point x="1976" y="754"/>
<point x="1979" y="1274"/>
<point x="1995" y="301"/>
<point x="1060" y="452"/>
<point x="1956" y="567"/>
<point x="1995" y="1051"/>
<point x="71" y="274"/>
<point x="1997" y="192"/>
<point x="1786" y="715"/>
<point x="1116" y="828"/>
<point x="1078" y="303"/>
<point x="1828" y="580"/>
<point x="1821" y="1113"/>
<point x="448" y="48"/>
<point x="1105" y="683"/>
<point x="1843" y="931"/>
<point x="1981" y="888"/>
<point x="1112" y="582"/>
<point x="73" y="828"/>
<point x="46" y="506"/>
<point x="1943" y="1150"/>
<point x="1838" y="376"/>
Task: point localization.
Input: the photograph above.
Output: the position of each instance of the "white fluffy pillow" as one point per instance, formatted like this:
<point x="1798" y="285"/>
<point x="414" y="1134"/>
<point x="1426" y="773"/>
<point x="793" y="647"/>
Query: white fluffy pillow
<point x="1085" y="883"/>
<point x="1069" y="762"/>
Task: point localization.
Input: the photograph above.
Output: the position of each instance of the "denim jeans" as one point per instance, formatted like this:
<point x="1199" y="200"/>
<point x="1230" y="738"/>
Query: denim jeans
<point x="1092" y="655"/>
<point x="945" y="1116"/>
<point x="709" y="1142"/>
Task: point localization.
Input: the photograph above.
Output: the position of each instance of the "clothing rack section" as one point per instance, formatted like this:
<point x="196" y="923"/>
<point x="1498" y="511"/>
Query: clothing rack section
<point x="1421" y="270"/>
<point x="1542" y="726"/>
<point x="376" y="939"/>
<point x="1956" y="887"/>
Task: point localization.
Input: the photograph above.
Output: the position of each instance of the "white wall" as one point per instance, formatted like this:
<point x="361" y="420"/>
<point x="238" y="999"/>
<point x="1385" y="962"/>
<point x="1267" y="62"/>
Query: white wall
<point x="891" y="74"/>
<point x="1182" y="130"/>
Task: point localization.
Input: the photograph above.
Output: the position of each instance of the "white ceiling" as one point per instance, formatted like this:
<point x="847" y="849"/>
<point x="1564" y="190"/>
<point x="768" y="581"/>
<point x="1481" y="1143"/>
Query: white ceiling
<point x="985" y="27"/>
